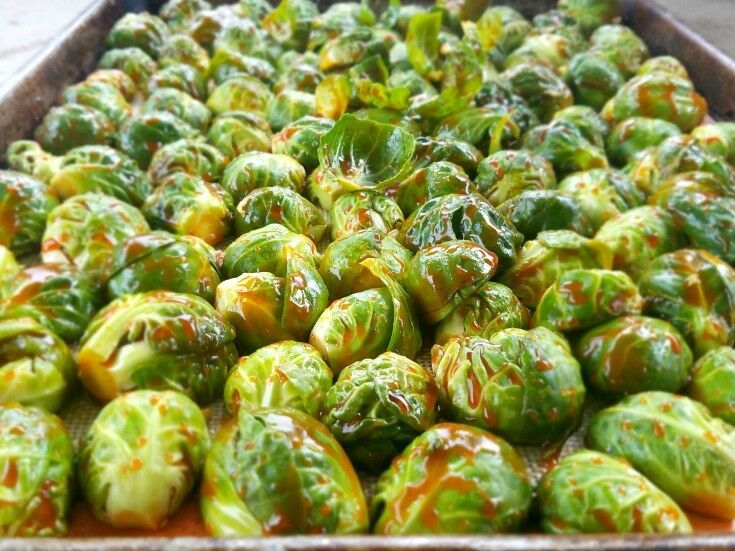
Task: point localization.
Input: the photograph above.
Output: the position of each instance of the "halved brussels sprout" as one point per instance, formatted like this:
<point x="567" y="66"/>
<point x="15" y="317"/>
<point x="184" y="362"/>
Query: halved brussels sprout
<point x="144" y="134"/>
<point x="666" y="64"/>
<point x="118" y="79"/>
<point x="180" y="104"/>
<point x="264" y="250"/>
<point x="367" y="323"/>
<point x="565" y="145"/>
<point x="134" y="62"/>
<point x="508" y="173"/>
<point x="634" y="354"/>
<point x="188" y="205"/>
<point x="157" y="340"/>
<point x="703" y="209"/>
<point x="534" y="211"/>
<point x="713" y="377"/>
<point x="290" y="22"/>
<point x="490" y="308"/>
<point x="378" y="406"/>
<point x="208" y="24"/>
<point x="100" y="169"/>
<point x="675" y="443"/>
<point x="289" y="106"/>
<point x="284" y="374"/>
<point x="658" y="95"/>
<point x="300" y="140"/>
<point x="141" y="457"/>
<point x="542" y="89"/>
<point x="59" y="296"/>
<point x="441" y="276"/>
<point x="360" y="210"/>
<point x="319" y="492"/>
<point x="8" y="269"/>
<point x="239" y="93"/>
<point x="190" y="157"/>
<point x="227" y="63"/>
<point x="602" y="193"/>
<point x="36" y="367"/>
<point x="72" y="125"/>
<point x="576" y="498"/>
<point x="461" y="217"/>
<point x="639" y="235"/>
<point x="38" y="467"/>
<point x="181" y="48"/>
<point x="101" y="96"/>
<point x="180" y="77"/>
<point x="138" y="30"/>
<point x="717" y="138"/>
<point x="163" y="261"/>
<point x="453" y="479"/>
<point x="593" y="79"/>
<point x="25" y="204"/>
<point x="524" y="385"/>
<point x="435" y="180"/>
<point x="695" y="291"/>
<point x="433" y="150"/>
<point x="487" y="127"/>
<point x="177" y="13"/>
<point x="28" y="157"/>
<point x="592" y="126"/>
<point x="84" y="229"/>
<point x="552" y="49"/>
<point x="591" y="14"/>
<point x="256" y="169"/>
<point x="265" y="308"/>
<point x="582" y="298"/>
<point x="554" y="252"/>
<point x="620" y="45"/>
<point x="632" y="136"/>
<point x="279" y="205"/>
<point x="238" y="132"/>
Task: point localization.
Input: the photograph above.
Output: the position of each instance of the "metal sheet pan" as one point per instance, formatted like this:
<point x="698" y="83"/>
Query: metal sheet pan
<point x="25" y="99"/>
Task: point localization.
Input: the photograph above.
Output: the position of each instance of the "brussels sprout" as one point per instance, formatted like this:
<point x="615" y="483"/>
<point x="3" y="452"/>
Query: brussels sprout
<point x="256" y="170"/>
<point x="592" y="126"/>
<point x="504" y="29"/>
<point x="702" y="209"/>
<point x="239" y="93"/>
<point x="675" y="443"/>
<point x="534" y="211"/>
<point x="620" y="45"/>
<point x="524" y="385"/>
<point x="377" y="407"/>
<point x="508" y="173"/>
<point x="255" y="9"/>
<point x="432" y="150"/>
<point x="227" y="64"/>
<point x="339" y="18"/>
<point x="717" y="138"/>
<point x="138" y="30"/>
<point x="541" y="88"/>
<point x="593" y="79"/>
<point x="162" y="261"/>
<point x="116" y="78"/>
<point x="664" y="63"/>
<point x="453" y="479"/>
<point x="332" y="96"/>
<point x="36" y="366"/>
<point x="28" y="157"/>
<point x="367" y="323"/>
<point x="8" y="269"/>
<point x="181" y="48"/>
<point x="141" y="457"/>
<point x="542" y="260"/>
<point x="634" y="354"/>
<point x="238" y="132"/>
<point x="181" y="105"/>
<point x="144" y="134"/>
<point x="582" y="298"/>
<point x="181" y="77"/>
<point x="630" y="137"/>
<point x="695" y="291"/>
<point x="441" y="276"/>
<point x="342" y="268"/>
<point x="564" y="144"/>
<point x="84" y="229"/>
<point x="466" y="217"/>
<point x="590" y="492"/>
<point x="284" y="374"/>
<point x="435" y="180"/>
<point x="24" y="205"/>
<point x="179" y="12"/>
<point x="300" y="140"/>
<point x="191" y="157"/>
<point x="59" y="296"/>
<point x="134" y="62"/>
<point x="484" y="127"/>
<point x="591" y="14"/>
<point x="279" y="205"/>
<point x="287" y="107"/>
<point x="360" y="210"/>
<point x="552" y="49"/>
<point x="265" y="308"/>
<point x="658" y="95"/>
<point x="102" y="169"/>
<point x="265" y="250"/>
<point x="101" y="96"/>
<point x="713" y="376"/>
<point x="290" y="22"/>
<point x="71" y="125"/>
<point x="300" y="76"/>
<point x="208" y="24"/>
<point x="157" y="340"/>
<point x="602" y="193"/>
<point x="319" y="491"/>
<point x="38" y="467"/>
